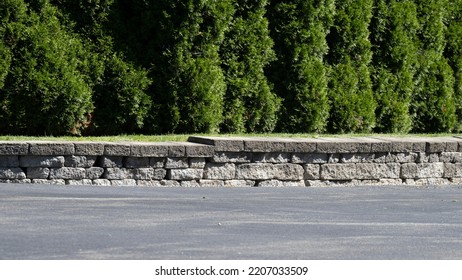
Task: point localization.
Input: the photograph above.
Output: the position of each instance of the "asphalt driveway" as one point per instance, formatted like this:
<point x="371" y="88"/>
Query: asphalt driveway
<point x="64" y="222"/>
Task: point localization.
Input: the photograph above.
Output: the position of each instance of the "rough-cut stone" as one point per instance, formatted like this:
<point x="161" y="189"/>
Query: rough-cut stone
<point x="136" y="162"/>
<point x="211" y="183"/>
<point x="197" y="163"/>
<point x="220" y="171"/>
<point x="149" y="149"/>
<point x="123" y="182"/>
<point x="365" y="171"/>
<point x="41" y="161"/>
<point x="12" y="173"/>
<point x="356" y="158"/>
<point x="271" y="157"/>
<point x="118" y="173"/>
<point x="265" y="145"/>
<point x="430" y="170"/>
<point x="255" y="171"/>
<point x="170" y="183"/>
<point x="345" y="171"/>
<point x="453" y="157"/>
<point x="116" y="149"/>
<point x="312" y="172"/>
<point x="278" y="183"/>
<point x="409" y="171"/>
<point x="101" y="182"/>
<point x="51" y="148"/>
<point x="9" y="161"/>
<point x="232" y="157"/>
<point x="49" y="182"/>
<point x="343" y="145"/>
<point x="89" y="148"/>
<point x="149" y="183"/>
<point x="84" y="182"/>
<point x="239" y="183"/>
<point x="79" y="161"/>
<point x="199" y="150"/>
<point x="94" y="172"/>
<point x="288" y="171"/>
<point x="13" y="148"/>
<point x="333" y="158"/>
<point x="310" y="158"/>
<point x="67" y="173"/>
<point x="16" y="181"/>
<point x="38" y="172"/>
<point x="110" y="161"/>
<point x="452" y="170"/>
<point x="157" y="162"/>
<point x="190" y="184"/>
<point x="185" y="174"/>
<point x="176" y="163"/>
<point x="221" y="144"/>
<point x="149" y="174"/>
<point x="176" y="150"/>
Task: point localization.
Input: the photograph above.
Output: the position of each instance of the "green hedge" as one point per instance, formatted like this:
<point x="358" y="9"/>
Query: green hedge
<point x="102" y="67"/>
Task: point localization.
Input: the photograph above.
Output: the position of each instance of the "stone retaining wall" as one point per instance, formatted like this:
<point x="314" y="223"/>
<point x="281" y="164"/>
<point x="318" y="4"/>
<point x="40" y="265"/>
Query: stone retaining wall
<point x="237" y="162"/>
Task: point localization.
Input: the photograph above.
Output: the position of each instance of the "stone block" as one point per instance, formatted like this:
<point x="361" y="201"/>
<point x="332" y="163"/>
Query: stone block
<point x="185" y="174"/>
<point x="452" y="170"/>
<point x="357" y="158"/>
<point x="83" y="182"/>
<point x="278" y="183"/>
<point x="197" y="163"/>
<point x="51" y="148"/>
<point x="220" y="171"/>
<point x="199" y="150"/>
<point x="271" y="157"/>
<point x="110" y="161"/>
<point x="148" y="150"/>
<point x="149" y="183"/>
<point x="94" y="172"/>
<point x="453" y="157"/>
<point x="157" y="162"/>
<point x="9" y="161"/>
<point x="430" y="170"/>
<point x="170" y="183"/>
<point x="149" y="174"/>
<point x="38" y="172"/>
<point x="79" y="161"/>
<point x="190" y="184"/>
<point x="342" y="172"/>
<point x="12" y="173"/>
<point x="89" y="148"/>
<point x="123" y="182"/>
<point x="239" y="183"/>
<point x="265" y="145"/>
<point x="301" y="145"/>
<point x="8" y="148"/>
<point x="117" y="149"/>
<point x="232" y="157"/>
<point x="343" y="145"/>
<point x="367" y="171"/>
<point x="176" y="163"/>
<point x="312" y="172"/>
<point x="118" y="173"/>
<point x="67" y="173"/>
<point x="220" y="144"/>
<point x="136" y="162"/>
<point x="409" y="170"/>
<point x="41" y="161"/>
<point x="176" y="150"/>
<point x="288" y="172"/>
<point x="101" y="182"/>
<point x="256" y="171"/>
<point x="49" y="182"/>
<point x="310" y="158"/>
<point x="211" y="183"/>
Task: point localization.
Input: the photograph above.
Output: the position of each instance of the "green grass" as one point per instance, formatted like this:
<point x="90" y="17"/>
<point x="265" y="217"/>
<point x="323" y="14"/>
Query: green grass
<point x="183" y="138"/>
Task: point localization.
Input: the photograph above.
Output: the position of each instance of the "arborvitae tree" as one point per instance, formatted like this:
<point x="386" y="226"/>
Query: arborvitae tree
<point x="44" y="91"/>
<point x="351" y="96"/>
<point x="249" y="103"/>
<point x="433" y="103"/>
<point x="454" y="52"/>
<point x="299" y="29"/>
<point x="179" y="40"/>
<point x="119" y="87"/>
<point x="394" y="37"/>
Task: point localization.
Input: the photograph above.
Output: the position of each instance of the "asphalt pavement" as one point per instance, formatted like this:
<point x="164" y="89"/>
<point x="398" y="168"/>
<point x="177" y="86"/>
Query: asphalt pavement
<point x="132" y="223"/>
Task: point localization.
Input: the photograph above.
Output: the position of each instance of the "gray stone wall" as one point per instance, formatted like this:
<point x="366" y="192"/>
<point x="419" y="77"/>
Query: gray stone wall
<point x="237" y="162"/>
